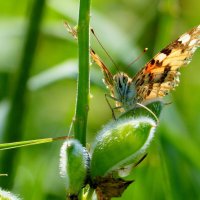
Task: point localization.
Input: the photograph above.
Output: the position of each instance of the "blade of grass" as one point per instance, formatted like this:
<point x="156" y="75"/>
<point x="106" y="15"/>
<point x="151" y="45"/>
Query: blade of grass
<point x="80" y="121"/>
<point x="3" y="174"/>
<point x="13" y="129"/>
<point x="14" y="145"/>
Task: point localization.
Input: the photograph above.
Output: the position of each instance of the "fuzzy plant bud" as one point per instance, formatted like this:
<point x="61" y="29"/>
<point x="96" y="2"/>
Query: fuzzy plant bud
<point x="5" y="195"/>
<point x="74" y="162"/>
<point x="121" y="143"/>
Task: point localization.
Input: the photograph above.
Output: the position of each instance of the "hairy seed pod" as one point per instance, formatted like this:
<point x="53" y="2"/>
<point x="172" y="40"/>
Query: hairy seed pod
<point x="121" y="143"/>
<point x="74" y="163"/>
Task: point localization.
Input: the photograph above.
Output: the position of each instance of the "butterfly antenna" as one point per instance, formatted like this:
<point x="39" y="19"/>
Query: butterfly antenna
<point x="144" y="51"/>
<point x="92" y="30"/>
<point x="71" y="30"/>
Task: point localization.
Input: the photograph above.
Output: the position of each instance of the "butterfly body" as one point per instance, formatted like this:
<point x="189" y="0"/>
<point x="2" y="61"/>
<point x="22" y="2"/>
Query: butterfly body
<point x="124" y="91"/>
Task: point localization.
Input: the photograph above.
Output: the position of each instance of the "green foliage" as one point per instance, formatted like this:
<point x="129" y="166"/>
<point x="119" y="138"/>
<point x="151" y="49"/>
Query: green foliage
<point x="172" y="168"/>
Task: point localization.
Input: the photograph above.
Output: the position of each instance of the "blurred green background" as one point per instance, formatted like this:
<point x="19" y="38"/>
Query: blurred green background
<point x="126" y="27"/>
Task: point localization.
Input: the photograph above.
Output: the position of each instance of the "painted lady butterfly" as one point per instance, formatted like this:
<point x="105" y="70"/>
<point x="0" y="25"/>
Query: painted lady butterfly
<point x="156" y="79"/>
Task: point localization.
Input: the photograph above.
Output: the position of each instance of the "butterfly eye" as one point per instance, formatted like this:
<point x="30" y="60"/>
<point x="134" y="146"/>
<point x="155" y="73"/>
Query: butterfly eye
<point x="125" y="79"/>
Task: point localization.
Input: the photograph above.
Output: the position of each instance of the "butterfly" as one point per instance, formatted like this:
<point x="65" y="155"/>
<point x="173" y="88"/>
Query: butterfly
<point x="156" y="79"/>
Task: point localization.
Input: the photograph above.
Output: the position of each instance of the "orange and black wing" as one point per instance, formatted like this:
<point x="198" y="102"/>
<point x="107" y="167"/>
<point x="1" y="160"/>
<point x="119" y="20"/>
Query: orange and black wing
<point x="161" y="74"/>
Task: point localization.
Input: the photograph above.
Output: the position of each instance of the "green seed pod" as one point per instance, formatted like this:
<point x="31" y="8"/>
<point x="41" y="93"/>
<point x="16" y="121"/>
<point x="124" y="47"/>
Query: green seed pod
<point x="5" y="195"/>
<point x="151" y="110"/>
<point x="121" y="143"/>
<point x="74" y="162"/>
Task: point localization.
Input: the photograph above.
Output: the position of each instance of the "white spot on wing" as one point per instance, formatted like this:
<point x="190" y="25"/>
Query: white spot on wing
<point x="192" y="42"/>
<point x="184" y="38"/>
<point x="160" y="57"/>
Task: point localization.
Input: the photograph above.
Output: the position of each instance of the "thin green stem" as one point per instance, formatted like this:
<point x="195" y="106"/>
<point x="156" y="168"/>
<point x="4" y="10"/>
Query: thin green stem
<point x="90" y="194"/>
<point x="12" y="145"/>
<point x="82" y="102"/>
<point x="86" y="195"/>
<point x="13" y="130"/>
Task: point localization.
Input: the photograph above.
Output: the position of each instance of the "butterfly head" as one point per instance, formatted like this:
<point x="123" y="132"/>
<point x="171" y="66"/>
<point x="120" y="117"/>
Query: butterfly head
<point x="124" y="89"/>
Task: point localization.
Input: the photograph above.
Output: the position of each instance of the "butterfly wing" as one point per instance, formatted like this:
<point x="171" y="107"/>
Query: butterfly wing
<point x="108" y="77"/>
<point x="161" y="74"/>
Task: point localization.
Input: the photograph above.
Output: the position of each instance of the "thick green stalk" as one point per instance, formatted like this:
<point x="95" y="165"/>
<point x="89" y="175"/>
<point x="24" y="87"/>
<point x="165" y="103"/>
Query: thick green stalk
<point x="13" y="130"/>
<point x="82" y="102"/>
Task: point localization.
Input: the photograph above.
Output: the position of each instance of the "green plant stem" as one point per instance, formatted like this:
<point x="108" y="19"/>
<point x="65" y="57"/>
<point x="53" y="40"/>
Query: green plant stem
<point x="82" y="101"/>
<point x="13" y="130"/>
<point x="90" y="194"/>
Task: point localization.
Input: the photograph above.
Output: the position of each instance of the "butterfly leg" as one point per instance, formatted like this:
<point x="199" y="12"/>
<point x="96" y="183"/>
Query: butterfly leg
<point x="168" y="103"/>
<point x="112" y="110"/>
